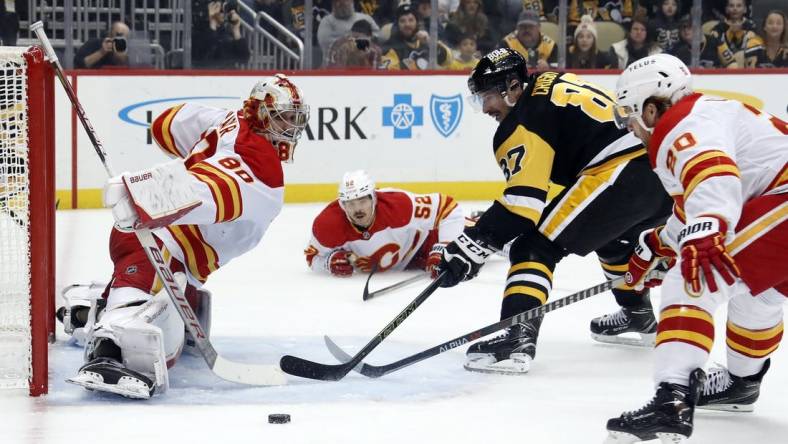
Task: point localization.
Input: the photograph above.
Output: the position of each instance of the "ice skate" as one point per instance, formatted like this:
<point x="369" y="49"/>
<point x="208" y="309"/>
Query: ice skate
<point x="509" y="354"/>
<point x="109" y="375"/>
<point x="610" y="327"/>
<point x="731" y="393"/>
<point x="667" y="417"/>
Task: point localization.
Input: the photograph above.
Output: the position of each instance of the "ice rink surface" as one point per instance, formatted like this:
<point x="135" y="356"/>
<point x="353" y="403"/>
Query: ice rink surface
<point x="268" y="303"/>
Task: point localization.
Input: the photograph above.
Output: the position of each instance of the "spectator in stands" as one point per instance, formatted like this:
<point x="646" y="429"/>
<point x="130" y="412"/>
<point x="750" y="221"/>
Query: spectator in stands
<point x="468" y="55"/>
<point x="539" y="51"/>
<point x="217" y="42"/>
<point x="382" y="11"/>
<point x="775" y="48"/>
<point x="408" y="47"/>
<point x="737" y="31"/>
<point x="338" y="24"/>
<point x="469" y="19"/>
<point x="293" y="19"/>
<point x="712" y="53"/>
<point x="666" y="24"/>
<point x="355" y="50"/>
<point x="271" y="7"/>
<point x="9" y="21"/>
<point x="583" y="54"/>
<point x="638" y="44"/>
<point x="446" y="30"/>
<point x="109" y="50"/>
<point x="619" y="11"/>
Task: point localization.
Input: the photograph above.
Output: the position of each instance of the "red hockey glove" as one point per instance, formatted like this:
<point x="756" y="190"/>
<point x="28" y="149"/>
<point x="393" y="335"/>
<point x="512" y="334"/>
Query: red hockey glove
<point x="649" y="250"/>
<point x="434" y="259"/>
<point x="702" y="242"/>
<point x="340" y="263"/>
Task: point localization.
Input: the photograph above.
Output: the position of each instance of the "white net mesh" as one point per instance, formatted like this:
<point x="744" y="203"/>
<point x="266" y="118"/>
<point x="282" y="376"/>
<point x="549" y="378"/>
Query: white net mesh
<point x="15" y="335"/>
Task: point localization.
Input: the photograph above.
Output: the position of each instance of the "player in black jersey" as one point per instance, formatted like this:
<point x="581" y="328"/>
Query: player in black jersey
<point x="556" y="130"/>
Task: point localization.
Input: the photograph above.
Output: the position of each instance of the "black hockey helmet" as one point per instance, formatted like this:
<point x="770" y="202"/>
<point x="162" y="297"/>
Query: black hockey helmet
<point x="496" y="70"/>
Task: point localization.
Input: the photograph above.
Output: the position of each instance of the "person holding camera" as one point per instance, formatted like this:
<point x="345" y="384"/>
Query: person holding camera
<point x="217" y="41"/>
<point x="355" y="50"/>
<point x="109" y="50"/>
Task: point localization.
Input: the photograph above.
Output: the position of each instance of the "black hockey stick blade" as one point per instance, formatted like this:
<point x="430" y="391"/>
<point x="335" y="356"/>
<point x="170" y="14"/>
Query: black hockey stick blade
<point x="334" y="372"/>
<point x="365" y="296"/>
<point x="374" y="371"/>
<point x="392" y="287"/>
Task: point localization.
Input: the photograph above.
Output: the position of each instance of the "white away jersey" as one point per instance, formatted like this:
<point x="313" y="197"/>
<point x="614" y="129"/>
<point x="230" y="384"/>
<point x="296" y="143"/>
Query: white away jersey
<point x="403" y="223"/>
<point x="238" y="176"/>
<point x="713" y="155"/>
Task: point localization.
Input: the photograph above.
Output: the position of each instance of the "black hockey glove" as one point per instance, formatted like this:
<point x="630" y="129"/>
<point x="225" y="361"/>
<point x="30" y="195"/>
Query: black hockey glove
<point x="463" y="258"/>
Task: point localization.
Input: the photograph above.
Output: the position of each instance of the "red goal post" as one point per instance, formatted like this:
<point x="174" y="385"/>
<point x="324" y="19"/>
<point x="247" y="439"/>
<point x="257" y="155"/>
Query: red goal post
<point x="27" y="218"/>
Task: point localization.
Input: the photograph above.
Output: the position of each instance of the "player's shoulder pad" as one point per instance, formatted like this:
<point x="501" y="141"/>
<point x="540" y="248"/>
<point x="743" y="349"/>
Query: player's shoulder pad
<point x="257" y="152"/>
<point x="394" y="209"/>
<point x="331" y="226"/>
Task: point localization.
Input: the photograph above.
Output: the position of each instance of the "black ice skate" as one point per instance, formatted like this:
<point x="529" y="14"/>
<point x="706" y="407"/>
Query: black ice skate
<point x="109" y="375"/>
<point x="510" y="353"/>
<point x="667" y="417"/>
<point x="640" y="320"/>
<point x="731" y="393"/>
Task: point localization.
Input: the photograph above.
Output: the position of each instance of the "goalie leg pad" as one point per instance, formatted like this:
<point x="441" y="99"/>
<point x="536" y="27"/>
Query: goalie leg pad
<point x="149" y="333"/>
<point x="82" y="303"/>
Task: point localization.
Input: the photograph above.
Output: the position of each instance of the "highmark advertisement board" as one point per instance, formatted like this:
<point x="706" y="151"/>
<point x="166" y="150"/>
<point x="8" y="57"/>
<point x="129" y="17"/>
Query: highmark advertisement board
<point x="402" y="129"/>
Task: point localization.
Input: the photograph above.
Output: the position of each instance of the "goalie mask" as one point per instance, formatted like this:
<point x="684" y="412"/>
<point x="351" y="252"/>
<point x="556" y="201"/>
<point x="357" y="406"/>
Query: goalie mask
<point x="662" y="77"/>
<point x="354" y="190"/>
<point x="276" y="109"/>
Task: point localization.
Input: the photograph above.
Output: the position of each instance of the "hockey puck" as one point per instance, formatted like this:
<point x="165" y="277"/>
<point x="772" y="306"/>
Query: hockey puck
<point x="278" y="418"/>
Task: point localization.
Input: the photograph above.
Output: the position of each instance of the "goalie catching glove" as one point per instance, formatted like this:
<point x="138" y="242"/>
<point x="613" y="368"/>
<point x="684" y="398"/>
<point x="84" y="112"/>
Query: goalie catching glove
<point x="651" y="248"/>
<point x="463" y="258"/>
<point x="702" y="242"/>
<point x="151" y="198"/>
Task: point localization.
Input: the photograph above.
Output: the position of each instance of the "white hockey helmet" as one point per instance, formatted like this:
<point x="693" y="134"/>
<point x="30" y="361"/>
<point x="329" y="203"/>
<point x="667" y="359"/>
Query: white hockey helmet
<point x="276" y="108"/>
<point x="661" y="76"/>
<point x="356" y="184"/>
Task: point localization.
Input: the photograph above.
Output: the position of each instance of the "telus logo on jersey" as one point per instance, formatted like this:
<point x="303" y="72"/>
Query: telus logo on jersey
<point x="446" y="113"/>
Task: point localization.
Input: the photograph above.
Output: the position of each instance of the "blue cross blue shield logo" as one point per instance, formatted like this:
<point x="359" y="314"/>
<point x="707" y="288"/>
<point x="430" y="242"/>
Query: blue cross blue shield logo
<point x="446" y="113"/>
<point x="403" y="116"/>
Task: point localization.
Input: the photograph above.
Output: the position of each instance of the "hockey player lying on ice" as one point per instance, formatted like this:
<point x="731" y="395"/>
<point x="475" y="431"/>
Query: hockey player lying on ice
<point x="556" y="128"/>
<point x="388" y="229"/>
<point x="222" y="191"/>
<point x="726" y="165"/>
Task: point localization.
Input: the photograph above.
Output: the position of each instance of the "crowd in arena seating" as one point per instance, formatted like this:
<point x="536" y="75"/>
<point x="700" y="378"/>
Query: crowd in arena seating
<point x="395" y="34"/>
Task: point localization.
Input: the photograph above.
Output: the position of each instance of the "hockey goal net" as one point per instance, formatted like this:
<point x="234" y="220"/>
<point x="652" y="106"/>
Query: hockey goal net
<point x="27" y="210"/>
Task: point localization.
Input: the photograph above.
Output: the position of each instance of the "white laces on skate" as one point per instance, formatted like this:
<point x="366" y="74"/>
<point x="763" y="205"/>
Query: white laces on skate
<point x="717" y="380"/>
<point x="617" y="318"/>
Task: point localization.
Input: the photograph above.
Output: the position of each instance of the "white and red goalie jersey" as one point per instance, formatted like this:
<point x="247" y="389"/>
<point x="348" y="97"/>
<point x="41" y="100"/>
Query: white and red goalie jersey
<point x="239" y="179"/>
<point x="405" y="228"/>
<point x="714" y="155"/>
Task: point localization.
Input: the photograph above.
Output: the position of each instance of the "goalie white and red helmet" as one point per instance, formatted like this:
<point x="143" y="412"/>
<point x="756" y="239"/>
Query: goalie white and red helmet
<point x="276" y="108"/>
<point x="661" y="76"/>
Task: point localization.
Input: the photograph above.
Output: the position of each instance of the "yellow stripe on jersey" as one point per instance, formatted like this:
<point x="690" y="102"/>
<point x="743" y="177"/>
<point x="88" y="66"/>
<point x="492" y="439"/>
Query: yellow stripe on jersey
<point x="200" y="257"/>
<point x="167" y="137"/>
<point x="732" y="170"/>
<point x="613" y="162"/>
<point x="157" y="284"/>
<point x="575" y="200"/>
<point x="532" y="266"/>
<point x="685" y="335"/>
<point x="756" y="335"/>
<point x="527" y="161"/>
<point x="759" y="227"/>
<point x="228" y="192"/>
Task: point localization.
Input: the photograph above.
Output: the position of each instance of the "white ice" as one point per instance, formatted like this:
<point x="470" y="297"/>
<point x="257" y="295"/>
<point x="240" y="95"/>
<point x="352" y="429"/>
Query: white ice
<point x="267" y="304"/>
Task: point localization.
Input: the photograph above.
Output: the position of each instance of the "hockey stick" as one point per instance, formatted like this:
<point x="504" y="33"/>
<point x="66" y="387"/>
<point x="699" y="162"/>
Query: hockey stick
<point x="369" y="295"/>
<point x="252" y="374"/>
<point x="326" y="372"/>
<point x="374" y="371"/>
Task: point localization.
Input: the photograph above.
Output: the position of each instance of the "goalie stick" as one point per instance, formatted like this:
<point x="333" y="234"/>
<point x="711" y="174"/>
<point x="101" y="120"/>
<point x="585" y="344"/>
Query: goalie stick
<point x="252" y="374"/>
<point x="375" y="371"/>
<point x="369" y="295"/>
<point x="334" y="372"/>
